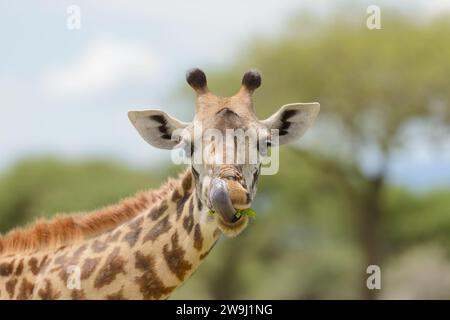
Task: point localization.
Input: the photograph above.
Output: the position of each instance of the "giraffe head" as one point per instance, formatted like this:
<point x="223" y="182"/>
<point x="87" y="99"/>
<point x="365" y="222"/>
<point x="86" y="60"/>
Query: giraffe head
<point x="225" y="143"/>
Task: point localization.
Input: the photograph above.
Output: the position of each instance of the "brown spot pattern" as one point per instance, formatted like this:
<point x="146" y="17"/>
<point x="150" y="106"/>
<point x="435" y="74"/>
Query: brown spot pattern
<point x="77" y="254"/>
<point x="6" y="268"/>
<point x="11" y="287"/>
<point x="199" y="204"/>
<point x="61" y="258"/>
<point x="175" y="258"/>
<point x="48" y="293"/>
<point x="180" y="204"/>
<point x="78" y="294"/>
<point x="98" y="246"/>
<point x="150" y="285"/>
<point x="63" y="262"/>
<point x="33" y="264"/>
<point x="132" y="236"/>
<point x="157" y="211"/>
<point x="176" y="195"/>
<point x="88" y="267"/>
<point x="186" y="183"/>
<point x="116" y="295"/>
<point x="19" y="268"/>
<point x="63" y="274"/>
<point x="25" y="290"/>
<point x="188" y="221"/>
<point x="198" y="238"/>
<point x="113" y="236"/>
<point x="136" y="223"/>
<point x="159" y="228"/>
<point x="114" y="265"/>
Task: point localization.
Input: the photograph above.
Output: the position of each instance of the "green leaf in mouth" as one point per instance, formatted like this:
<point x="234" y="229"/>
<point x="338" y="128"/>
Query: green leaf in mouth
<point x="244" y="212"/>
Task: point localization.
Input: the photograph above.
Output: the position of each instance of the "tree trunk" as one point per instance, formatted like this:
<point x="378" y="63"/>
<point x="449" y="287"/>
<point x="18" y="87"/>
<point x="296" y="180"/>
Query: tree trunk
<point x="371" y="228"/>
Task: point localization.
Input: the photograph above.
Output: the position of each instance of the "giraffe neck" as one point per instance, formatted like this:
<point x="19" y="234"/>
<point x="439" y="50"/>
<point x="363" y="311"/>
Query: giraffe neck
<point x="147" y="257"/>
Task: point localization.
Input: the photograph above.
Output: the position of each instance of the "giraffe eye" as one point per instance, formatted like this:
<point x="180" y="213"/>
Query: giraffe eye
<point x="263" y="146"/>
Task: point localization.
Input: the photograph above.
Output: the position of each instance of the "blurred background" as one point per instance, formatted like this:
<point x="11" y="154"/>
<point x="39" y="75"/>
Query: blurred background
<point x="368" y="184"/>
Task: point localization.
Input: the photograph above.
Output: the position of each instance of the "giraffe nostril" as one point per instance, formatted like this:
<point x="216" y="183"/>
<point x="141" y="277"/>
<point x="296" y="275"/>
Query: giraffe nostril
<point x="240" y="198"/>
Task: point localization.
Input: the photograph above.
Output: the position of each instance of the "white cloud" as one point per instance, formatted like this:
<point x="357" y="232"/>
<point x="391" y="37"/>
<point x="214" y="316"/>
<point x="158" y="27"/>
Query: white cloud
<point x="102" y="66"/>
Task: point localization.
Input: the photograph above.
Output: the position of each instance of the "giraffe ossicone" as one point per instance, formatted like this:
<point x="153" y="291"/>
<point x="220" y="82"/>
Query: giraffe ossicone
<point x="148" y="245"/>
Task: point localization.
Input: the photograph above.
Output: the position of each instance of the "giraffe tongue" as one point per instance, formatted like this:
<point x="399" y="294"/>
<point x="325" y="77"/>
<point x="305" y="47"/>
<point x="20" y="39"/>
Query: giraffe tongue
<point x="220" y="200"/>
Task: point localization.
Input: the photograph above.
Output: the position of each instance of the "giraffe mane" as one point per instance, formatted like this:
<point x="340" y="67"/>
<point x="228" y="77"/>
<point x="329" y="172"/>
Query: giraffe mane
<point x="68" y="229"/>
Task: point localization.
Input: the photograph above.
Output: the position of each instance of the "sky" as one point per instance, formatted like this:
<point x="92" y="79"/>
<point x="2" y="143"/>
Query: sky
<point x="66" y="92"/>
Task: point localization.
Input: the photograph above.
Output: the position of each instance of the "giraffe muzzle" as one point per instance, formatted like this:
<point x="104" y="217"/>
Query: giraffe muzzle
<point x="220" y="200"/>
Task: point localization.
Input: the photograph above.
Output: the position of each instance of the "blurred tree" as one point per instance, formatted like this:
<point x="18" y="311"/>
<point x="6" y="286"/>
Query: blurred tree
<point x="300" y="245"/>
<point x="44" y="187"/>
<point x="377" y="89"/>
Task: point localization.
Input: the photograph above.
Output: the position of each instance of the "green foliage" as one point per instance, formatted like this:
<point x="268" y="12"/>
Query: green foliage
<point x="44" y="187"/>
<point x="416" y="218"/>
<point x="246" y="212"/>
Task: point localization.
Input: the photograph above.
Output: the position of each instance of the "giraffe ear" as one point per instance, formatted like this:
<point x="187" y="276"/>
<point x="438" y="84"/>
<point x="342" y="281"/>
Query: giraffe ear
<point x="292" y="120"/>
<point x="157" y="128"/>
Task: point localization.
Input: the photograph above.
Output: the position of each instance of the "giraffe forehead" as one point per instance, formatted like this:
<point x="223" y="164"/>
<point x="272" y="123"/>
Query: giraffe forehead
<point x="209" y="106"/>
<point x="225" y="120"/>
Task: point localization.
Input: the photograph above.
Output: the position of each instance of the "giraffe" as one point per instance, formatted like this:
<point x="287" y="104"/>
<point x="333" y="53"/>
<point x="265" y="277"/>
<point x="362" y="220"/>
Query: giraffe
<point x="148" y="245"/>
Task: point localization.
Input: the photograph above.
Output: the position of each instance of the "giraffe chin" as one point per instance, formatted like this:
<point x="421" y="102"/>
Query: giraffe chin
<point x="227" y="221"/>
<point x="232" y="229"/>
